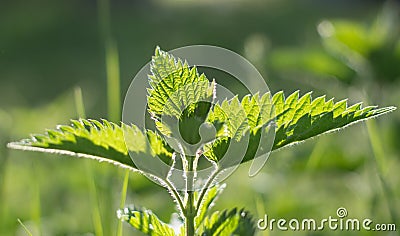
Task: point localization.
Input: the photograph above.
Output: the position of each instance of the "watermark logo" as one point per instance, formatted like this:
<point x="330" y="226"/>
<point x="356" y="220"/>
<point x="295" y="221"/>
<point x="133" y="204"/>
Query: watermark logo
<point x="340" y="222"/>
<point x="341" y="212"/>
<point x="135" y="111"/>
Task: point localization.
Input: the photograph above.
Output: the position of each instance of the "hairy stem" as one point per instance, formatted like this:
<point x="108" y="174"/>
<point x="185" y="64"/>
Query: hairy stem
<point x="172" y="190"/>
<point x="190" y="210"/>
<point x="205" y="188"/>
<point x="176" y="196"/>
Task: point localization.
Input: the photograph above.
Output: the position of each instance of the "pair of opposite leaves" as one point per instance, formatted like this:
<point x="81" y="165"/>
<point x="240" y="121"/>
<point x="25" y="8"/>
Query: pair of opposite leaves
<point x="179" y="99"/>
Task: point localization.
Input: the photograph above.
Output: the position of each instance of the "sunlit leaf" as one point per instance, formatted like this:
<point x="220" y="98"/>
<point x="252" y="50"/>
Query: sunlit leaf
<point x="99" y="140"/>
<point x="207" y="202"/>
<point x="175" y="86"/>
<point x="145" y="221"/>
<point x="233" y="222"/>
<point x="296" y="119"/>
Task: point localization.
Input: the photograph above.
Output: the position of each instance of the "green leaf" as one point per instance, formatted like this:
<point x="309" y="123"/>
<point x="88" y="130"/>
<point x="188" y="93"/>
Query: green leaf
<point x="247" y="225"/>
<point x="145" y="221"/>
<point x="179" y="99"/>
<point x="207" y="202"/>
<point x="319" y="117"/>
<point x="233" y="222"/>
<point x="175" y="86"/>
<point x="296" y="119"/>
<point x="99" y="140"/>
<point x="221" y="223"/>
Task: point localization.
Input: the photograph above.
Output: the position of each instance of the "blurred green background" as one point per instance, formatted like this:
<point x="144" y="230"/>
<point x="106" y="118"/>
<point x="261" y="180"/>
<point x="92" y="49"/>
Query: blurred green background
<point x="339" y="48"/>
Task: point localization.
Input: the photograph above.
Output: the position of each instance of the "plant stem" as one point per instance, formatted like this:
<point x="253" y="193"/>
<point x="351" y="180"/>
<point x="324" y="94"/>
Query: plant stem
<point x="190" y="211"/>
<point x="190" y="214"/>
<point x="175" y="195"/>
<point x="206" y="186"/>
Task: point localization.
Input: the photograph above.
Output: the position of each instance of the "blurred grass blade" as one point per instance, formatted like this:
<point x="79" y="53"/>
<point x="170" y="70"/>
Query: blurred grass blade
<point x="36" y="203"/>
<point x="96" y="216"/>
<point x="113" y="82"/>
<point x="80" y="106"/>
<point x="379" y="155"/>
<point x="122" y="201"/>
<point x="25" y="228"/>
<point x="112" y="62"/>
<point x="377" y="147"/>
<point x="317" y="153"/>
<point x="261" y="209"/>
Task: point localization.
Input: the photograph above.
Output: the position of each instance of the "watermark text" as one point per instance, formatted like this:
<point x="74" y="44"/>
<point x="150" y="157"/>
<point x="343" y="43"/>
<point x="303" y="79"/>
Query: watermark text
<point x="339" y="222"/>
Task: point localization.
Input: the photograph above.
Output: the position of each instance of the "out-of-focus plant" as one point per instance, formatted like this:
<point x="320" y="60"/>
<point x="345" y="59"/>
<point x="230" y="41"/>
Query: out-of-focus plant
<point x="351" y="51"/>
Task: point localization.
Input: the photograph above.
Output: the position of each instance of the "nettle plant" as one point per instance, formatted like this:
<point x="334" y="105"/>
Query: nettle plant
<point x="193" y="131"/>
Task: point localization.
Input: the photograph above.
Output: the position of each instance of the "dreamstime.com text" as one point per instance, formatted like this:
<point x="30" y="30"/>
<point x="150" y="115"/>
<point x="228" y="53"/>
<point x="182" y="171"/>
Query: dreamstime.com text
<point x="339" y="223"/>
